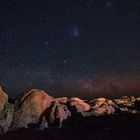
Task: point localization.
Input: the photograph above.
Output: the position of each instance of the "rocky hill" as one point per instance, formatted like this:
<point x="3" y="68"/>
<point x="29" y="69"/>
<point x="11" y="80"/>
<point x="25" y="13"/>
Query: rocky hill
<point x="38" y="110"/>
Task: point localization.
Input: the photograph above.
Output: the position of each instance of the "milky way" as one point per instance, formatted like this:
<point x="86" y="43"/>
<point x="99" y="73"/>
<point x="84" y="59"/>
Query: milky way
<point x="46" y="44"/>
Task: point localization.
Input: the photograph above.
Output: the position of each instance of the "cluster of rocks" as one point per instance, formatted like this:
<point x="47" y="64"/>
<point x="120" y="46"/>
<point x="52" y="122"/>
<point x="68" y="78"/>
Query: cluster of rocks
<point x="36" y="109"/>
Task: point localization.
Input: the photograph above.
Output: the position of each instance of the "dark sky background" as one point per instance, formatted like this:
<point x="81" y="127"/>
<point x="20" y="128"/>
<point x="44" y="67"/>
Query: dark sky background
<point x="83" y="48"/>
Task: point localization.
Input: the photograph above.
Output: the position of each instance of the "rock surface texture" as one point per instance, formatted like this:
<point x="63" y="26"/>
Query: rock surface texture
<point x="29" y="108"/>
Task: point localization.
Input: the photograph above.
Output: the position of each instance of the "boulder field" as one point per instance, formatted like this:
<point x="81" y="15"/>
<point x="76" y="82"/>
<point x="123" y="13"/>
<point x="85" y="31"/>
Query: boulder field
<point x="36" y="109"/>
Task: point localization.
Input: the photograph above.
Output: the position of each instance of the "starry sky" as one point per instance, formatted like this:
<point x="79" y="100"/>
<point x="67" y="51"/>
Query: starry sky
<point x="70" y="47"/>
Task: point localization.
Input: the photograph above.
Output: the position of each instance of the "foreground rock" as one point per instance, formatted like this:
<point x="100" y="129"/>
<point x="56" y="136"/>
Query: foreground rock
<point x="29" y="107"/>
<point x="55" y="115"/>
<point x="3" y="99"/>
<point x="36" y="109"/>
<point x="6" y="118"/>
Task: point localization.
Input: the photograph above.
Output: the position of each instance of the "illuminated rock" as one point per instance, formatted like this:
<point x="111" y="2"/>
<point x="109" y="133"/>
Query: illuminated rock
<point x="3" y="99"/>
<point x="100" y="111"/>
<point x="104" y="110"/>
<point x="62" y="100"/>
<point x="96" y="103"/>
<point x="29" y="107"/>
<point x="79" y="104"/>
<point x="122" y="100"/>
<point x="133" y="99"/>
<point x="138" y="99"/>
<point x="126" y="101"/>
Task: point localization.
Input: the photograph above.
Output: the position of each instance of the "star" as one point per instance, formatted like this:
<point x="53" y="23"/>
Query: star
<point x="46" y="43"/>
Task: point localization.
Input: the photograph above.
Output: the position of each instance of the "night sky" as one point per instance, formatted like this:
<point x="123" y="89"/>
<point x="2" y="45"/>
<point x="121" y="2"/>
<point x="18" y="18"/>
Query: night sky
<point x="70" y="47"/>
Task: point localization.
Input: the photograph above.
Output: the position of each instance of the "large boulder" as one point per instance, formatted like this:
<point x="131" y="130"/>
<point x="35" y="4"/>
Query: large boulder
<point x="3" y="99"/>
<point x="6" y="118"/>
<point x="29" y="108"/>
<point x="79" y="104"/>
<point x="55" y="115"/>
<point x="58" y="113"/>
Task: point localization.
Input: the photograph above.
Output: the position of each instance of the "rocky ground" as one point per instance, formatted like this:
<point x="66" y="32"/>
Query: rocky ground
<point x="36" y="115"/>
<point x="123" y="127"/>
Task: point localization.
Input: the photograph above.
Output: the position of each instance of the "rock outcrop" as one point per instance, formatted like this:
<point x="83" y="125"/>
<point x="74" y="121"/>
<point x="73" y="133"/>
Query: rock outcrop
<point x="62" y="100"/>
<point x="125" y="100"/>
<point x="36" y="109"/>
<point x="57" y="114"/>
<point x="29" y="107"/>
<point x="6" y="118"/>
<point x="78" y="104"/>
<point x="3" y="99"/>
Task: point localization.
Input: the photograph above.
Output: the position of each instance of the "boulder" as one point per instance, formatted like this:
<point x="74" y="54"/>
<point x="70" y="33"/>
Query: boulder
<point x="104" y="110"/>
<point x="110" y="102"/>
<point x="79" y="104"/>
<point x="132" y="99"/>
<point x="100" y="111"/>
<point x="3" y="99"/>
<point x="122" y="100"/>
<point x="44" y="124"/>
<point x="56" y="114"/>
<point x="29" y="108"/>
<point x="138" y="99"/>
<point x="6" y="118"/>
<point x="125" y="101"/>
<point x="96" y="103"/>
<point x="62" y="100"/>
<point x="68" y="113"/>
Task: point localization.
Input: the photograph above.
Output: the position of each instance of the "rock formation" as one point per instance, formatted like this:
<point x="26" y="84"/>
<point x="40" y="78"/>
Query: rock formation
<point x="36" y="109"/>
<point x="29" y="107"/>
<point x="78" y="104"/>
<point x="3" y="99"/>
